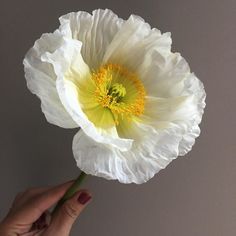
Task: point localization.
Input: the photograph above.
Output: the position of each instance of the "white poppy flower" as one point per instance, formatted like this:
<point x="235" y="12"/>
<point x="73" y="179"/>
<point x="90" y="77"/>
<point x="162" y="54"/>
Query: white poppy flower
<point x="137" y="104"/>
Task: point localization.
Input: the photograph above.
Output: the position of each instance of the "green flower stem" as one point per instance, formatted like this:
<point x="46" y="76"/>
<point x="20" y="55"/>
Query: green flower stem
<point x="71" y="191"/>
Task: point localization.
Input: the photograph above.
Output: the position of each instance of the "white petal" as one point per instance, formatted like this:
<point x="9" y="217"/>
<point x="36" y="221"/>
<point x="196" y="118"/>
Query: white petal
<point x="95" y="31"/>
<point x="188" y="138"/>
<point x="95" y="158"/>
<point x="41" y="78"/>
<point x="138" y="165"/>
<point x="193" y="86"/>
<point x="153" y="153"/>
<point x="184" y="111"/>
<point x="180" y="108"/>
<point x="135" y="42"/>
<point x="163" y="76"/>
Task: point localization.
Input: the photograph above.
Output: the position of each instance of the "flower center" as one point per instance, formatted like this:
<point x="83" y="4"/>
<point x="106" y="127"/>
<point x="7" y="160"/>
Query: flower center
<point x="117" y="91"/>
<point x="120" y="91"/>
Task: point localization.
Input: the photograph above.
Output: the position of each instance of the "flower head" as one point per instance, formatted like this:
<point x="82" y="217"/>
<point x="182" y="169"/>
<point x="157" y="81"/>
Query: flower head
<point x="137" y="104"/>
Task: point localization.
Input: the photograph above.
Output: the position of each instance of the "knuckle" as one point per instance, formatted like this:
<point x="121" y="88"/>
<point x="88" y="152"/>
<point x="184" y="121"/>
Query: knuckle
<point x="70" y="210"/>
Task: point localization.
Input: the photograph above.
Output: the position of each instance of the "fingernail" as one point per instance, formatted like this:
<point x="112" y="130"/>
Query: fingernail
<point x="84" y="198"/>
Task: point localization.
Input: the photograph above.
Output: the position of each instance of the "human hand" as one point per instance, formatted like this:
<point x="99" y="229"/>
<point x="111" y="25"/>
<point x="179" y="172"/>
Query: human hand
<point x="29" y="215"/>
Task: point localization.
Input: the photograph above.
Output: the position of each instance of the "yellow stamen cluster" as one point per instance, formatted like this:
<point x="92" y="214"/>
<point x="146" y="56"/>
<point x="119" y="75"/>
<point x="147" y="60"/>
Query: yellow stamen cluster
<point x="119" y="90"/>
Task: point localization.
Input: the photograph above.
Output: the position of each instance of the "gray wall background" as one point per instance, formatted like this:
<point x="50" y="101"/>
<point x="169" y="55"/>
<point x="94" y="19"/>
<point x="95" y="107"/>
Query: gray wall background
<point x="195" y="195"/>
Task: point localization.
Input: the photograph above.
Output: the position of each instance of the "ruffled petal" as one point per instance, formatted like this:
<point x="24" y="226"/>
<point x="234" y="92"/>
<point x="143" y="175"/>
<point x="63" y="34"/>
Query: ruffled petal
<point x="164" y="76"/>
<point x="100" y="160"/>
<point x="193" y="86"/>
<point x="185" y="111"/>
<point x="95" y="31"/>
<point x="152" y="153"/>
<point x="41" y="80"/>
<point x="95" y="158"/>
<point x="134" y="44"/>
<point x="180" y="108"/>
<point x="146" y="158"/>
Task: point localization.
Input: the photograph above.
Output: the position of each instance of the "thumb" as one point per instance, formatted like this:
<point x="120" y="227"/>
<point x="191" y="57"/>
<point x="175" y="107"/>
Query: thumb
<point x="66" y="215"/>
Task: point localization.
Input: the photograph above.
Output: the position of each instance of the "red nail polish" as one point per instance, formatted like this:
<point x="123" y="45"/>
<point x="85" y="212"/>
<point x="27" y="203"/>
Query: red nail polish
<point x="84" y="198"/>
